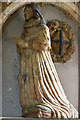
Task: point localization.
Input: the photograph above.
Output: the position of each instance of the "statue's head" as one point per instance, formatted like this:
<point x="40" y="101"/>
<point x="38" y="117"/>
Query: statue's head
<point x="33" y="10"/>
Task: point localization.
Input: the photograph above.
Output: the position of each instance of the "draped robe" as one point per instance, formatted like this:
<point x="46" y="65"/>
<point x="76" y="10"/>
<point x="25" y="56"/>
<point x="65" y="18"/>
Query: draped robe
<point x="40" y="87"/>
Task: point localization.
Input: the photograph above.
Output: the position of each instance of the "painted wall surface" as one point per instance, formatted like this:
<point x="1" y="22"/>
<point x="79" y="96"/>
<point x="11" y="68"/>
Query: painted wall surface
<point x="68" y="72"/>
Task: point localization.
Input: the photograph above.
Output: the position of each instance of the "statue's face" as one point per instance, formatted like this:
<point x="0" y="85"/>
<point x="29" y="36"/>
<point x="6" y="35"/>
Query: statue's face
<point x="28" y="13"/>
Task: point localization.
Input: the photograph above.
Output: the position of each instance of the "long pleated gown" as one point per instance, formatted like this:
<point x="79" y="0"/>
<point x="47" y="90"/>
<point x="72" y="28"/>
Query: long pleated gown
<point x="40" y="87"/>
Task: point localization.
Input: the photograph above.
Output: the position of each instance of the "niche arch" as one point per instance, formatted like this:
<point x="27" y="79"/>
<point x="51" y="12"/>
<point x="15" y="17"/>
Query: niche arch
<point x="70" y="8"/>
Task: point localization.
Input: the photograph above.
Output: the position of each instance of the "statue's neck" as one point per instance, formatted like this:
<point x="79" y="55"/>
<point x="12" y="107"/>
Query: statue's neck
<point x="32" y="23"/>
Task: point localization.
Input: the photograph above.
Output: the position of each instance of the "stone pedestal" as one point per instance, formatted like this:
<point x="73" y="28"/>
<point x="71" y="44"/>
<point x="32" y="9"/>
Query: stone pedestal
<point x="30" y="119"/>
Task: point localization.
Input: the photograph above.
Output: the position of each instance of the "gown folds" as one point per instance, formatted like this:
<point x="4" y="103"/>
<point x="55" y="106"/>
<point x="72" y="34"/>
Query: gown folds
<point x="40" y="87"/>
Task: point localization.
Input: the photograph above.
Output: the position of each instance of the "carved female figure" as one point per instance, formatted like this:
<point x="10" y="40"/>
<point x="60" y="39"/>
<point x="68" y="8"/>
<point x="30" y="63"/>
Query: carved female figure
<point x="41" y="93"/>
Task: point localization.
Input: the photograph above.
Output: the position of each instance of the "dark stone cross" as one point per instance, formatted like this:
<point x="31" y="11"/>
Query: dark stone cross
<point x="61" y="42"/>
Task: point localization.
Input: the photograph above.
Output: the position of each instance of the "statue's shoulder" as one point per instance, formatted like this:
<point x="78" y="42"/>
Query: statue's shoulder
<point x="44" y="32"/>
<point x="44" y="27"/>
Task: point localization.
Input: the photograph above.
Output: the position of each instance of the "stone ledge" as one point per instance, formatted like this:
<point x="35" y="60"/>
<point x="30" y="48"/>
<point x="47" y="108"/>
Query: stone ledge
<point x="26" y="119"/>
<point x="20" y="118"/>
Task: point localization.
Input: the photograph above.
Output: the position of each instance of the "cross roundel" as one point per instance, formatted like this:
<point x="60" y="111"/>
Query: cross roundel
<point x="62" y="41"/>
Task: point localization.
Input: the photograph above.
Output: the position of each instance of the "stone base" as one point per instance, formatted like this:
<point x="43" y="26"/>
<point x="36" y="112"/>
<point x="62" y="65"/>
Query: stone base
<point x="20" y="118"/>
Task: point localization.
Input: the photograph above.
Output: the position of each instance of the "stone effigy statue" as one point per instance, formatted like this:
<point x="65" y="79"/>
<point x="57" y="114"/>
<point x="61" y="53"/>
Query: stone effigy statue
<point x="41" y="93"/>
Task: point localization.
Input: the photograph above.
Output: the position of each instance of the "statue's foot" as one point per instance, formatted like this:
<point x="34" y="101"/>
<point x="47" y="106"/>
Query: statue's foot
<point x="40" y="111"/>
<point x="37" y="114"/>
<point x="37" y="111"/>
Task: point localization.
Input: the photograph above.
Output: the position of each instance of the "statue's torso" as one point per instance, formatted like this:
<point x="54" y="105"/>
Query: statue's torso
<point x="36" y="33"/>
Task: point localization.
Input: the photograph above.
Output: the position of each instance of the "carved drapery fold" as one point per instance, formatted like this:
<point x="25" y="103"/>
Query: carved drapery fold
<point x="41" y="93"/>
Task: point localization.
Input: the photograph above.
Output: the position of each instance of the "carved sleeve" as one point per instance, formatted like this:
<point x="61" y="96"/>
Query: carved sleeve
<point x="21" y="43"/>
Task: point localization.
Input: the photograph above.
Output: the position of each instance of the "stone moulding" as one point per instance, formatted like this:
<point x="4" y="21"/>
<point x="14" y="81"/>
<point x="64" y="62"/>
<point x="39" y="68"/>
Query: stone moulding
<point x="69" y="8"/>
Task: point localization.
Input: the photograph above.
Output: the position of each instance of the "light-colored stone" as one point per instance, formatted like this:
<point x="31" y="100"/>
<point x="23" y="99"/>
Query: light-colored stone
<point x="11" y="63"/>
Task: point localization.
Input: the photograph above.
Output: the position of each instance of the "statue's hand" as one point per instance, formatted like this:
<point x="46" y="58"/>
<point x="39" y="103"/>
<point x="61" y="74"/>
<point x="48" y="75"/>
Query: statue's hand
<point x="15" y="38"/>
<point x="26" y="45"/>
<point x="21" y="43"/>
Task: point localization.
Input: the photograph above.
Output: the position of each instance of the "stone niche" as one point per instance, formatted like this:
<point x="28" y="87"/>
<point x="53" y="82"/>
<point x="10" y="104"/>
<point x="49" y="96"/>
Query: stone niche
<point x="68" y="72"/>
